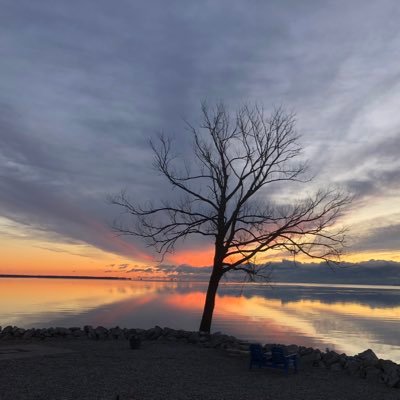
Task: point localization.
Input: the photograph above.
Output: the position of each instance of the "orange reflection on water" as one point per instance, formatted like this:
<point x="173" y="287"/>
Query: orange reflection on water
<point x="278" y="321"/>
<point x="30" y="296"/>
<point x="350" y="326"/>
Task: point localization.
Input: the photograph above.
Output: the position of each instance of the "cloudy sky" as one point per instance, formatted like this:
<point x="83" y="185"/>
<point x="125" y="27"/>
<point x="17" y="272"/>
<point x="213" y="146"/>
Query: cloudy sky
<point x="84" y="84"/>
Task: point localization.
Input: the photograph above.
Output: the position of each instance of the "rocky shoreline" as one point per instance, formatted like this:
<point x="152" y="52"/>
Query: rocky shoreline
<point x="365" y="365"/>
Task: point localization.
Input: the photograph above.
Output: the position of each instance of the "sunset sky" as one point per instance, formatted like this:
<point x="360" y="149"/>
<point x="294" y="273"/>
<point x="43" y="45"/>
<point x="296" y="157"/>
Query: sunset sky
<point x="84" y="85"/>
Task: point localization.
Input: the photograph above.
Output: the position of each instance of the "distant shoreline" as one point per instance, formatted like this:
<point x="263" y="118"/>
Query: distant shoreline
<point x="87" y="277"/>
<point x="385" y="286"/>
<point x="67" y="277"/>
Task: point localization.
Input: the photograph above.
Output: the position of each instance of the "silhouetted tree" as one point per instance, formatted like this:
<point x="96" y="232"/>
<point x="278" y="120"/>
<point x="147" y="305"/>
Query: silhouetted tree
<point x="236" y="158"/>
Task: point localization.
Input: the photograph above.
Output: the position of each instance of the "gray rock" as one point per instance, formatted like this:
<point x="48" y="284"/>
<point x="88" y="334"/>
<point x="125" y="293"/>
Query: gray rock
<point x="89" y="331"/>
<point x="181" y="334"/>
<point x="194" y="338"/>
<point x="387" y="366"/>
<point x="78" y="333"/>
<point x="343" y="359"/>
<point x="28" y="334"/>
<point x="292" y="349"/>
<point x="368" y="358"/>
<point x="154" y="333"/>
<point x="51" y="331"/>
<point x="7" y="330"/>
<point x="88" y="328"/>
<point x="392" y="379"/>
<point x="353" y="366"/>
<point x="330" y="358"/>
<point x="390" y="373"/>
<point x="319" y="364"/>
<point x="45" y="333"/>
<point x="304" y="350"/>
<point x="60" y="331"/>
<point x="313" y="357"/>
<point x="216" y="340"/>
<point x="169" y="332"/>
<point x="18" y="332"/>
<point x="101" y="332"/>
<point x="336" y="366"/>
<point x="75" y="328"/>
<point x="117" y="333"/>
<point x="372" y="374"/>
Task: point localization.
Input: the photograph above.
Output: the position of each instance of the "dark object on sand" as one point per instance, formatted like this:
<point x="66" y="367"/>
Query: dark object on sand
<point x="134" y="342"/>
<point x="257" y="356"/>
<point x="276" y="359"/>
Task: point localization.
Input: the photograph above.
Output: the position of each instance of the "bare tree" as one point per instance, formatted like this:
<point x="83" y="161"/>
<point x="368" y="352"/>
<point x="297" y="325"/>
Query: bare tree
<point x="236" y="158"/>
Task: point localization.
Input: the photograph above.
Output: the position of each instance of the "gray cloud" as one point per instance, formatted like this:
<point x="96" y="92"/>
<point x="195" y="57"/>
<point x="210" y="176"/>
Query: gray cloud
<point x="84" y="85"/>
<point x="383" y="238"/>
<point x="148" y="270"/>
<point x="367" y="272"/>
<point x="184" y="270"/>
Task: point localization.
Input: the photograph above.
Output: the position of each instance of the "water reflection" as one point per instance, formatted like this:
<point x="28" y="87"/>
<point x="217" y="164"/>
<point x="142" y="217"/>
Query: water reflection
<point x="348" y="319"/>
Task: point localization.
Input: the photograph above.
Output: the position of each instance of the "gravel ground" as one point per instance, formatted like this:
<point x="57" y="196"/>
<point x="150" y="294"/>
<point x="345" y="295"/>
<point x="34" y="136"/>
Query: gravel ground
<point x="105" y="369"/>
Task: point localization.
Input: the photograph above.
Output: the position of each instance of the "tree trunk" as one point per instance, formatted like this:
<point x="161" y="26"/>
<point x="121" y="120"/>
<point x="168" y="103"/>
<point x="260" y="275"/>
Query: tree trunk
<point x="205" y="325"/>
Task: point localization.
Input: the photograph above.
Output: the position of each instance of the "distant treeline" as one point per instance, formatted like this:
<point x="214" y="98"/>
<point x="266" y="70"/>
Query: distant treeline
<point x="63" y="277"/>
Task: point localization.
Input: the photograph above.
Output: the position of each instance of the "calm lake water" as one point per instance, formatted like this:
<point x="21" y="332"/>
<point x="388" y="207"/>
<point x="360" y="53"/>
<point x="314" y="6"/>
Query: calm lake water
<point x="346" y="318"/>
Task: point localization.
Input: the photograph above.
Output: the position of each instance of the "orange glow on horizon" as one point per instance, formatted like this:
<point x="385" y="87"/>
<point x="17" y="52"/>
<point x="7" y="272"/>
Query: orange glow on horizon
<point x="196" y="258"/>
<point x="29" y="256"/>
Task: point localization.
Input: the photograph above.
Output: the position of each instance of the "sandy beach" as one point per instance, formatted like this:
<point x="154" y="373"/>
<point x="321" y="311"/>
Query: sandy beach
<point x="64" y="369"/>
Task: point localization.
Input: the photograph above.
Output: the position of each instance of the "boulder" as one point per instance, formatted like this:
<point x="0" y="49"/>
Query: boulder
<point x="372" y="374"/>
<point x="169" y="332"/>
<point x="101" y="332"/>
<point x="60" y="331"/>
<point x="319" y="364"/>
<point x="18" y="332"/>
<point x="313" y="357"/>
<point x="44" y="333"/>
<point x="194" y="338"/>
<point x="368" y="358"/>
<point x="304" y="350"/>
<point x="352" y="366"/>
<point x="336" y="366"/>
<point x="331" y="357"/>
<point x="387" y="366"/>
<point x="390" y="373"/>
<point x="342" y="359"/>
<point x="217" y="340"/>
<point x="28" y="334"/>
<point x="52" y="331"/>
<point x="89" y="331"/>
<point x="392" y="379"/>
<point x="135" y="342"/>
<point x="78" y="333"/>
<point x="88" y="328"/>
<point x="181" y="334"/>
<point x="7" y="330"/>
<point x="154" y="333"/>
<point x="117" y="333"/>
<point x="292" y="349"/>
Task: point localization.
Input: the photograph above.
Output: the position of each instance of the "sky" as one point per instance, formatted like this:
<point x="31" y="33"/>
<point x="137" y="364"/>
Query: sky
<point x="85" y="84"/>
